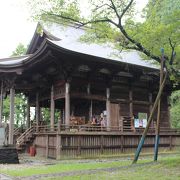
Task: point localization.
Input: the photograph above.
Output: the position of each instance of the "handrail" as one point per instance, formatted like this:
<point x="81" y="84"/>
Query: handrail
<point x="89" y="127"/>
<point x="16" y="131"/>
<point x="21" y="138"/>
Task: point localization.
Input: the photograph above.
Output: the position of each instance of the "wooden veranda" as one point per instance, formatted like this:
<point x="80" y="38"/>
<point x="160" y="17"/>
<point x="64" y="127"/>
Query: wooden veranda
<point x="92" y="141"/>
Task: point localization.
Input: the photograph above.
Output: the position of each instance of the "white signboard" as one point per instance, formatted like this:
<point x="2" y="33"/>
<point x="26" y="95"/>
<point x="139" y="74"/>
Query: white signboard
<point x="2" y="136"/>
<point x="141" y="121"/>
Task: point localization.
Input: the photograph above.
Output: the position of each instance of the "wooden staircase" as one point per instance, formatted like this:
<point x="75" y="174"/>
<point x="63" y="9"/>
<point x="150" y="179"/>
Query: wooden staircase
<point x="25" y="139"/>
<point x="127" y="123"/>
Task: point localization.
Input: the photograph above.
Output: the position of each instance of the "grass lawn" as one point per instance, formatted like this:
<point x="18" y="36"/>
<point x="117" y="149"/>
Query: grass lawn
<point x="166" y="168"/>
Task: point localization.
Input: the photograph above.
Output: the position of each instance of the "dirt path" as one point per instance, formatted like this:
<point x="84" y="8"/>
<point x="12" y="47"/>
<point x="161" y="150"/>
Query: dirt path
<point x="26" y="161"/>
<point x="5" y="177"/>
<point x="78" y="173"/>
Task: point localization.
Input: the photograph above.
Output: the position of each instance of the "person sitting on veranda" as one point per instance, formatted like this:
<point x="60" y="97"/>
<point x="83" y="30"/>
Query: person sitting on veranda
<point x="103" y="123"/>
<point x="94" y="121"/>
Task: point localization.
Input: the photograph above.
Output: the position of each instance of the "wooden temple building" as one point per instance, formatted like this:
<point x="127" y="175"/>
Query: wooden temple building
<point x="104" y="103"/>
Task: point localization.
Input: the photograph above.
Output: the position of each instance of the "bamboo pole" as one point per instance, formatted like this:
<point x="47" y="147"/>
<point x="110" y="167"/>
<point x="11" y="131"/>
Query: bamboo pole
<point x="149" y="120"/>
<point x="157" y="137"/>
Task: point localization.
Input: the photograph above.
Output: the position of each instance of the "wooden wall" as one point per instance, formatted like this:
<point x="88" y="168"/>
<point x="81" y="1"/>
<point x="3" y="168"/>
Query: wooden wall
<point x="67" y="146"/>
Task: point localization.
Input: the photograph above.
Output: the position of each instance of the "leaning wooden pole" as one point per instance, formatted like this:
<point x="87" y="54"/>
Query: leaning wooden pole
<point x="157" y="137"/>
<point x="149" y="120"/>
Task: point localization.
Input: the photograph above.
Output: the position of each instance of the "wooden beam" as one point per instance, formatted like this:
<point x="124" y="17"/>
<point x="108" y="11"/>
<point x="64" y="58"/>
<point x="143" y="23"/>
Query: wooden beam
<point x="86" y="96"/>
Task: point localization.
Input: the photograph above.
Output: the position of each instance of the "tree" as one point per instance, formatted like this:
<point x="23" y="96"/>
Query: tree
<point x="162" y="27"/>
<point x="175" y="109"/>
<point x="20" y="109"/>
<point x="112" y="21"/>
<point x="20" y="99"/>
<point x="46" y="115"/>
<point x="20" y="50"/>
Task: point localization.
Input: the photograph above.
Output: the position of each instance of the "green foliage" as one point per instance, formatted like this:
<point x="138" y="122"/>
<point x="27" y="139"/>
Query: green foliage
<point x="175" y="109"/>
<point x="46" y="115"/>
<point x="20" y="99"/>
<point x="161" y="29"/>
<point x="6" y="108"/>
<point x="20" y="50"/>
<point x="50" y="10"/>
<point x="108" y="23"/>
<point x="20" y="109"/>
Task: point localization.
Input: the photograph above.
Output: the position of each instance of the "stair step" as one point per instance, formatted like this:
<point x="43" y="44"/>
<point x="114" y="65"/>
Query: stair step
<point x="26" y="138"/>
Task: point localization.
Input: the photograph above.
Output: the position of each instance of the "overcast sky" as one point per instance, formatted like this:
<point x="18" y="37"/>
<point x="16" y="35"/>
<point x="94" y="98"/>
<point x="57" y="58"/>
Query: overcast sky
<point x="15" y="26"/>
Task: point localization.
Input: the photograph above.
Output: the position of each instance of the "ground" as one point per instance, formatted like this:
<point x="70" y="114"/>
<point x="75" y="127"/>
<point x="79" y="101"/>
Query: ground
<point x="167" y="167"/>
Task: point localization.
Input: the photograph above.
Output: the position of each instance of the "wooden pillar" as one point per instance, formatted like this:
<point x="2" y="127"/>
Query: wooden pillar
<point x="79" y="146"/>
<point x="150" y="107"/>
<point x="63" y="116"/>
<point x="170" y="142"/>
<point x="108" y="108"/>
<point x="90" y="110"/>
<point x="1" y="103"/>
<point x="11" y="119"/>
<point x="28" y="113"/>
<point x="122" y="143"/>
<point x="47" y="146"/>
<point x="37" y="109"/>
<point x="88" y="89"/>
<point x="102" y="144"/>
<point x="67" y="104"/>
<point x="59" y="126"/>
<point x="131" y="108"/>
<point x="58" y="146"/>
<point x="52" y="108"/>
<point x="168" y="110"/>
<point x="90" y="107"/>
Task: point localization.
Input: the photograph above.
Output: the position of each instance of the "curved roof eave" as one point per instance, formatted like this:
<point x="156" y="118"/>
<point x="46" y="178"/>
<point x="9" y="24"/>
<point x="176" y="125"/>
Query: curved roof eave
<point x="100" y="59"/>
<point x="33" y="58"/>
<point x="12" y="67"/>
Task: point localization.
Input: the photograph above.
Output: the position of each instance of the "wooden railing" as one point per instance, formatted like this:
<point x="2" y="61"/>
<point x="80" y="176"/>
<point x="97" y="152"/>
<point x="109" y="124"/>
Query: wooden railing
<point x="16" y="131"/>
<point x="25" y="136"/>
<point x="96" y="128"/>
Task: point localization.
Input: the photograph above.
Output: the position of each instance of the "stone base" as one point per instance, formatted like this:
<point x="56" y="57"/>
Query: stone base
<point x="8" y="155"/>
